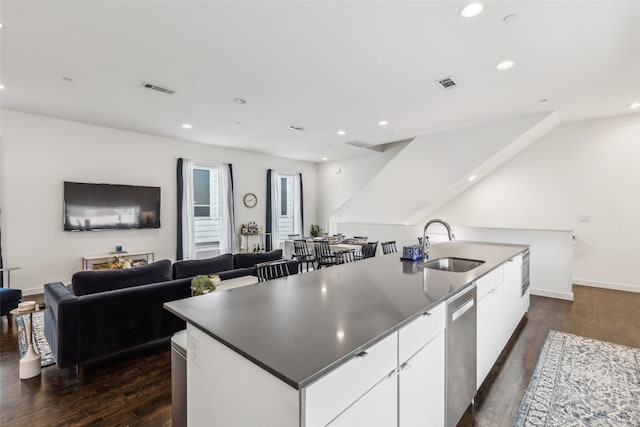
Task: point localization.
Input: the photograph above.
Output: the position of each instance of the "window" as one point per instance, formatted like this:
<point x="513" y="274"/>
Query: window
<point x="286" y="219"/>
<point x="206" y="207"/>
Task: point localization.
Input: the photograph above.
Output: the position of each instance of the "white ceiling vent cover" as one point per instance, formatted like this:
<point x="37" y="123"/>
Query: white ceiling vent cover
<point x="447" y="83"/>
<point x="157" y="88"/>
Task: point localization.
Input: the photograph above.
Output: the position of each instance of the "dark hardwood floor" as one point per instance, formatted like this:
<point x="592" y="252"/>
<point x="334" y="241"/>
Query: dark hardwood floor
<point x="136" y="389"/>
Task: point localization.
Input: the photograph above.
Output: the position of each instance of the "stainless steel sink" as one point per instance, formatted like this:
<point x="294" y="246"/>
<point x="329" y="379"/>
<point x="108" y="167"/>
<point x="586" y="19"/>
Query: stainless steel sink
<point x="456" y="265"/>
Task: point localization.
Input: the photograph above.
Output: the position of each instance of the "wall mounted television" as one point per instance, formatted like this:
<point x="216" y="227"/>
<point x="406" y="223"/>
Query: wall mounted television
<point x="91" y="207"/>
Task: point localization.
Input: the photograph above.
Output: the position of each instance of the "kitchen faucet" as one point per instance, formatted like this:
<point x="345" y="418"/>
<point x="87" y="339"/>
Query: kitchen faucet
<point x="425" y="239"/>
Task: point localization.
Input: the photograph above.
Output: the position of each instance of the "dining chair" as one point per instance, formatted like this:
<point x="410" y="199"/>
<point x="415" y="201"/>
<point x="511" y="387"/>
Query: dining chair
<point x="368" y="250"/>
<point x="271" y="270"/>
<point x="324" y="255"/>
<point x="302" y="254"/>
<point x="345" y="256"/>
<point x="389" y="247"/>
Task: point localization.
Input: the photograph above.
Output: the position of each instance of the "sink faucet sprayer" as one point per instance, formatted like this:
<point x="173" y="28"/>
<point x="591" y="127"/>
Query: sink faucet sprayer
<point x="425" y="239"/>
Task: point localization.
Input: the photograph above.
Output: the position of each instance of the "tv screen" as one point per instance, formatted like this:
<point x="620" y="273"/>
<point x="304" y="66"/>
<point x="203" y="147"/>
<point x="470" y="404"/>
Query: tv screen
<point x="110" y="207"/>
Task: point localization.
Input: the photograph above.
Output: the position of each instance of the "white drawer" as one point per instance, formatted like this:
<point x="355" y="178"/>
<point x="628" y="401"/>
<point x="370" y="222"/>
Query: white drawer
<point x="490" y="281"/>
<point x="334" y="392"/>
<point x="420" y="331"/>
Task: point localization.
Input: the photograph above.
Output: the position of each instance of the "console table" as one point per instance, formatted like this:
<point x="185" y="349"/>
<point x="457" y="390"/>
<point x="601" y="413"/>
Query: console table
<point x="244" y="241"/>
<point x="97" y="262"/>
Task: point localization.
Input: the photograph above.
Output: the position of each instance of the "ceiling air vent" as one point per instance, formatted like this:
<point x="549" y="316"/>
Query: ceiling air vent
<point x="447" y="83"/>
<point x="157" y="88"/>
<point x="294" y="127"/>
<point x="358" y="144"/>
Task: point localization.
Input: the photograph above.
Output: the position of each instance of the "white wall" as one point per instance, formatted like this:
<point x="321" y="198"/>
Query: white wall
<point x="344" y="178"/>
<point x="39" y="153"/>
<point x="583" y="176"/>
<point x="434" y="168"/>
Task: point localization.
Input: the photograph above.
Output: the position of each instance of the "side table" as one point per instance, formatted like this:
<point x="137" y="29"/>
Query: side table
<point x="30" y="362"/>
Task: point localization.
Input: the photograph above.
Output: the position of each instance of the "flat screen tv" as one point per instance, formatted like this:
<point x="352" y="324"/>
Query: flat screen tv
<point x="90" y="207"/>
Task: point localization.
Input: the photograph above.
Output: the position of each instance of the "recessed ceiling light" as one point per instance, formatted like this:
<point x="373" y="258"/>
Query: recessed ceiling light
<point x="505" y="65"/>
<point x="239" y="100"/>
<point x="342" y="132"/>
<point x="187" y="126"/>
<point x="633" y="106"/>
<point x="324" y="159"/>
<point x="471" y="10"/>
<point x="1" y="27"/>
<point x="1" y="87"/>
<point x="383" y="123"/>
<point x="472" y="177"/>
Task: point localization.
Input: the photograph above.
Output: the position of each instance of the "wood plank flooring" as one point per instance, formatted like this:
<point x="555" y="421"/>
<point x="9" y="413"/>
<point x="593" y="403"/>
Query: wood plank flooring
<point x="135" y="390"/>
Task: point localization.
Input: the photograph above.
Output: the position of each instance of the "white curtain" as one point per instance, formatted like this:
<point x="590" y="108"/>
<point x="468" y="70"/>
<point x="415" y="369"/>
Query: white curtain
<point x="275" y="210"/>
<point x="297" y="207"/>
<point x="227" y="231"/>
<point x="188" y="228"/>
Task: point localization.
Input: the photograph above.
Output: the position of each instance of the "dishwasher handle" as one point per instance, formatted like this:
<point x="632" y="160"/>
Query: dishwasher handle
<point x="462" y="309"/>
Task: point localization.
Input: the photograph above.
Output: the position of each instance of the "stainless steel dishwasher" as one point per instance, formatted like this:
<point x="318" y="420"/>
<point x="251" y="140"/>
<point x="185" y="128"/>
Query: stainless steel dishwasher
<point x="461" y="354"/>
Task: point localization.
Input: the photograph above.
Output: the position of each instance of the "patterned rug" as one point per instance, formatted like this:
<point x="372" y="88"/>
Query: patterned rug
<point x="582" y="382"/>
<point x="39" y="341"/>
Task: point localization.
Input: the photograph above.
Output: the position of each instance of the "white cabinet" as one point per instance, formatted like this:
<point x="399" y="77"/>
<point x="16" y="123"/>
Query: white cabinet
<point x="421" y="386"/>
<point x="512" y="295"/>
<point x="490" y="331"/>
<point x="342" y="387"/>
<point x="378" y="407"/>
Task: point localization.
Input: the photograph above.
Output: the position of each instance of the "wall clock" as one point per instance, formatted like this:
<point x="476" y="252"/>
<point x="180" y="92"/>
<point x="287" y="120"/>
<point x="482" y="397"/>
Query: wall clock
<point x="250" y="200"/>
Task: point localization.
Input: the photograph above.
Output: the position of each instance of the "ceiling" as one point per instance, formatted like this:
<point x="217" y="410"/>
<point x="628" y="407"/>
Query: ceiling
<point x="323" y="66"/>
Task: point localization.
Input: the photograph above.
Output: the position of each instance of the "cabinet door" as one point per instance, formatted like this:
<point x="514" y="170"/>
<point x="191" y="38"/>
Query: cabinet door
<point x="512" y="295"/>
<point x="378" y="407"/>
<point x="421" y="385"/>
<point x="490" y="332"/>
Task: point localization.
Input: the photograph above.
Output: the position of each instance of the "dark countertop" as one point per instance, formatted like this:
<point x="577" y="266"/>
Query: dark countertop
<point x="298" y="328"/>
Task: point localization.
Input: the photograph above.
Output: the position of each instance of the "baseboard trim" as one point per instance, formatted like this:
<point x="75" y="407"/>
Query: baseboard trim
<point x="33" y="291"/>
<point x="607" y="285"/>
<point x="552" y="294"/>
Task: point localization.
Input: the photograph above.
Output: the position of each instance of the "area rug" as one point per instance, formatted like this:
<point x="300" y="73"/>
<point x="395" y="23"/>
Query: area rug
<point x="582" y="382"/>
<point x="39" y="341"/>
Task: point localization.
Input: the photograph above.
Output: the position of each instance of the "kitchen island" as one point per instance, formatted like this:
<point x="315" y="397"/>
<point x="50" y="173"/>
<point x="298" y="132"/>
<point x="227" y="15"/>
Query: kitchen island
<point x="304" y="349"/>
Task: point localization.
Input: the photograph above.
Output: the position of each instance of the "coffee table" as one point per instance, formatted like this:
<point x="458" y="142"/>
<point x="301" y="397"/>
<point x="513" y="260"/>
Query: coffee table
<point x="30" y="362"/>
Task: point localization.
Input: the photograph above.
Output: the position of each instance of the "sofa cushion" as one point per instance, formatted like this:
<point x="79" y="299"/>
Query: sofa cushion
<point x="236" y="272"/>
<point x="91" y="282"/>
<point x="251" y="259"/>
<point x="194" y="267"/>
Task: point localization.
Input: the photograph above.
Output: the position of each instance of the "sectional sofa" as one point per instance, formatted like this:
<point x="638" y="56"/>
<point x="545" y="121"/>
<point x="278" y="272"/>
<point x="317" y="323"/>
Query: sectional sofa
<point x="102" y="313"/>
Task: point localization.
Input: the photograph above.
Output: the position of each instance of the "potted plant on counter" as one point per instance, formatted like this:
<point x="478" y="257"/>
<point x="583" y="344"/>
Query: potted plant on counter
<point x="314" y="230"/>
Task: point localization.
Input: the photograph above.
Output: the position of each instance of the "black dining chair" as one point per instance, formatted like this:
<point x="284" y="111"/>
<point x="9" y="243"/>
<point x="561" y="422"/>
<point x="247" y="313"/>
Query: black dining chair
<point x="345" y="256"/>
<point x="368" y="250"/>
<point x="272" y="270"/>
<point x="325" y="257"/>
<point x="389" y="247"/>
<point x="302" y="254"/>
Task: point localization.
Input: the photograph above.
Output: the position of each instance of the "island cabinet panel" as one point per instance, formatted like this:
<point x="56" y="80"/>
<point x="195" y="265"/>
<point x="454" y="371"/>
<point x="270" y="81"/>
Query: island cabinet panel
<point x="489" y="281"/>
<point x="222" y="385"/>
<point x="512" y="295"/>
<point x="490" y="331"/>
<point x="421" y="386"/>
<point x="378" y="407"/>
<point x="332" y="394"/>
<point x="420" y="331"/>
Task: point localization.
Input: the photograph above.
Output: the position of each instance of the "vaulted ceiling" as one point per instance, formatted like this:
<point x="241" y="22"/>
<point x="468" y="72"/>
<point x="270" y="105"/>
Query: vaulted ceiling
<point x="322" y="66"/>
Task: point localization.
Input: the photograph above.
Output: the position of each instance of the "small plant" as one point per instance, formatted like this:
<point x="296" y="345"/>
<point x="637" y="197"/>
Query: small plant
<point x="201" y="285"/>
<point x="315" y="230"/>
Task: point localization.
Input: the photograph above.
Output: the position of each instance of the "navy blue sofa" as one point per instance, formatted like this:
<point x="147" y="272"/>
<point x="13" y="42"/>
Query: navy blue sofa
<point x="105" y="312"/>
